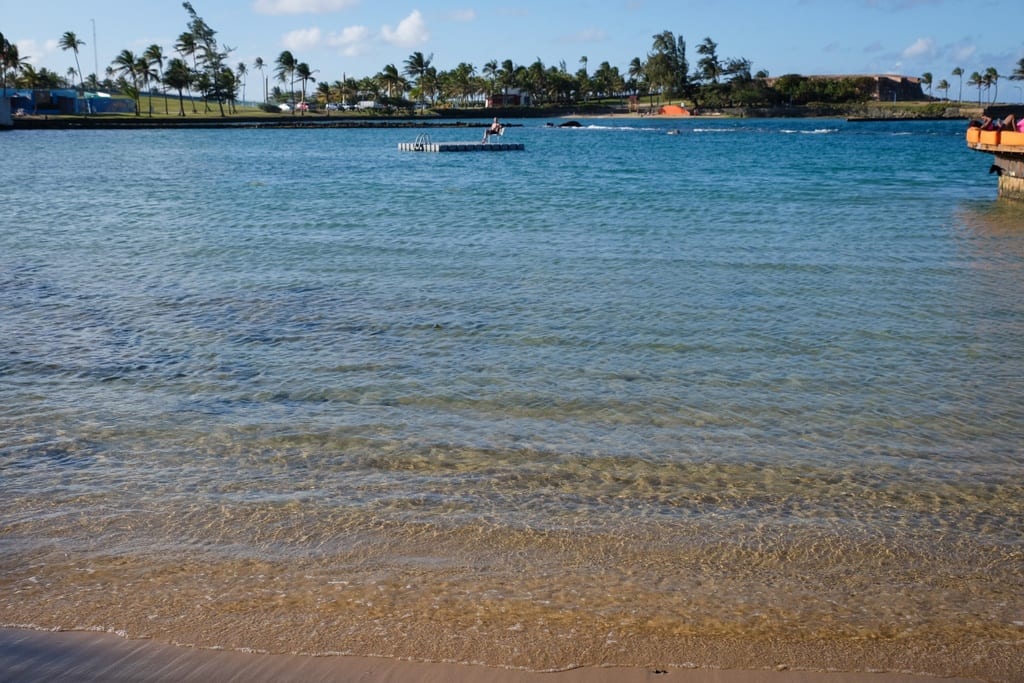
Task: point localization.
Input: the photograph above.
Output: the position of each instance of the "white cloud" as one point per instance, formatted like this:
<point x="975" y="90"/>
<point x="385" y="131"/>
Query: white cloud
<point x="922" y="47"/>
<point x="963" y="53"/>
<point x="34" y="52"/>
<point x="302" y="6"/>
<point x="410" y="32"/>
<point x="588" y="35"/>
<point x="352" y="41"/>
<point x="301" y="39"/>
<point x="462" y="15"/>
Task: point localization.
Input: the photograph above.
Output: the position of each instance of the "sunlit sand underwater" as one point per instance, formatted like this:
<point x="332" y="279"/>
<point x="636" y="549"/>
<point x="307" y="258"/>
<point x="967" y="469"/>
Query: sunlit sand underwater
<point x="745" y="396"/>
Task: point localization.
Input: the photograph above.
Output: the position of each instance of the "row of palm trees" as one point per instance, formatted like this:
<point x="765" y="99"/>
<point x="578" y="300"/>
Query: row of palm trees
<point x="200" y="67"/>
<point x="663" y="72"/>
<point x="133" y="74"/>
<point x="419" y="80"/>
<point x="987" y="81"/>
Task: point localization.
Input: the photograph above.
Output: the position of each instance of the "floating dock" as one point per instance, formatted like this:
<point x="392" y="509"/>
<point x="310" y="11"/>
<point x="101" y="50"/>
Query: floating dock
<point x="1008" y="148"/>
<point x="423" y="143"/>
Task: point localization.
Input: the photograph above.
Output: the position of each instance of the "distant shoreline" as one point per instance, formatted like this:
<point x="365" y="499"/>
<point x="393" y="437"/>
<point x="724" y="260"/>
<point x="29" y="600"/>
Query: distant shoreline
<point x="450" y="118"/>
<point x="122" y="123"/>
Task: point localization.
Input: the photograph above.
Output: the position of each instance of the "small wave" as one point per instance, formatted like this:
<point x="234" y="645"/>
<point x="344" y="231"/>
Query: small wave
<point x="622" y="128"/>
<point x="816" y="131"/>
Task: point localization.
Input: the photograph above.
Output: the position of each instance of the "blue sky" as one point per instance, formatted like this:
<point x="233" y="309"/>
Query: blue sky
<point x="359" y="37"/>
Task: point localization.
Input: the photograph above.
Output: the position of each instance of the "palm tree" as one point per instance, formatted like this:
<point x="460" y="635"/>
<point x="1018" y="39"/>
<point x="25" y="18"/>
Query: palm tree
<point x="146" y="75"/>
<point x="337" y="92"/>
<point x="154" y="55"/>
<point x="992" y="79"/>
<point x="429" y="84"/>
<point x="926" y="81"/>
<point x="506" y="78"/>
<point x="977" y="81"/>
<point x="69" y="41"/>
<point x="607" y="80"/>
<point x="178" y="77"/>
<point x="259" y="65"/>
<point x="637" y="73"/>
<point x="944" y="87"/>
<point x="490" y="71"/>
<point x="187" y="47"/>
<point x="3" y="60"/>
<point x="226" y="85"/>
<point x="349" y="89"/>
<point x="416" y="66"/>
<point x="457" y="84"/>
<point x="305" y="75"/>
<point x="285" y="72"/>
<point x="666" y="68"/>
<point x="469" y="84"/>
<point x="391" y="80"/>
<point x="368" y="88"/>
<point x="710" y="66"/>
<point x="126" y="64"/>
<point x="1018" y="72"/>
<point x="28" y="77"/>
<point x="584" y="77"/>
<point x="537" y="80"/>
<point x="323" y="95"/>
<point x="11" y="60"/>
<point x="241" y="70"/>
<point x="958" y="71"/>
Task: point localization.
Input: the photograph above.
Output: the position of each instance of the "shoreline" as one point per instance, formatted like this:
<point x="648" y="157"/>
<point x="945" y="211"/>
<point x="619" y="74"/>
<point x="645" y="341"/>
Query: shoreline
<point x="241" y="122"/>
<point x="461" y="119"/>
<point x="32" y="655"/>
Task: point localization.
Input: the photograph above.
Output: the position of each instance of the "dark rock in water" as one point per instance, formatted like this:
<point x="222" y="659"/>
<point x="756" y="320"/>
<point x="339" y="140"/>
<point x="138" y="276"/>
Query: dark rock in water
<point x="569" y="124"/>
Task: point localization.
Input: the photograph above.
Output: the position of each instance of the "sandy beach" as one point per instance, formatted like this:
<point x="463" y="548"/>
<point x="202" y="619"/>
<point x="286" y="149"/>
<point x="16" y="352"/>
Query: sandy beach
<point x="27" y="656"/>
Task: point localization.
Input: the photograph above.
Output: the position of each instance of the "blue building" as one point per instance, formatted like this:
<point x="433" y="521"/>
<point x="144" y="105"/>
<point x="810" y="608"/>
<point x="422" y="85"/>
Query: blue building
<point x="29" y="102"/>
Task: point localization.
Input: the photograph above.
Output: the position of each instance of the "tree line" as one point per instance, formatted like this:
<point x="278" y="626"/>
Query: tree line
<point x="987" y="81"/>
<point x="201" y="69"/>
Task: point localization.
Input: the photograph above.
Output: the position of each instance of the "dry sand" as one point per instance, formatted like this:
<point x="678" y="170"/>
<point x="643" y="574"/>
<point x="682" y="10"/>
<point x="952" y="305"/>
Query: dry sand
<point x="30" y="656"/>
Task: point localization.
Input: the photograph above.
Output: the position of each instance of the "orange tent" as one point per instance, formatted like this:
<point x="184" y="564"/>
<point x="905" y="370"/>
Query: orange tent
<point x="673" y="110"/>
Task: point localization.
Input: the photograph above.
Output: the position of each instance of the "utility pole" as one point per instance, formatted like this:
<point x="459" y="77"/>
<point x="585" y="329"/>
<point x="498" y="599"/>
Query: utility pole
<point x="96" y="66"/>
<point x="95" y="52"/>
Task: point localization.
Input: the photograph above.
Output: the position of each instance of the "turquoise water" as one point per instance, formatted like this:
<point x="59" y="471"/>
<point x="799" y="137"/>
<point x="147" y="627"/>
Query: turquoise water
<point x="295" y="390"/>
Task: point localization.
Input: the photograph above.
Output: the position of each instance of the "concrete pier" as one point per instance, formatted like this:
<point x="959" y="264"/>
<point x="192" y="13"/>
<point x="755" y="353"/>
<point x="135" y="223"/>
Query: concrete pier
<point x="1008" y="162"/>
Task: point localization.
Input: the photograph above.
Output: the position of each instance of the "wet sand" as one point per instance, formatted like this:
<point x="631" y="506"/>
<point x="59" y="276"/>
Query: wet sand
<point x="35" y="656"/>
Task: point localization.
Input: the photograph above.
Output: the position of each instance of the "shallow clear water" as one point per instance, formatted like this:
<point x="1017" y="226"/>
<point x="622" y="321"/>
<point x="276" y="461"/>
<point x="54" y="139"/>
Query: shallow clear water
<point x="295" y="390"/>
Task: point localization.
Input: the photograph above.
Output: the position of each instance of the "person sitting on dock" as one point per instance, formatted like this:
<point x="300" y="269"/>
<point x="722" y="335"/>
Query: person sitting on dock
<point x="494" y="129"/>
<point x="1008" y="123"/>
<point x="1013" y="124"/>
